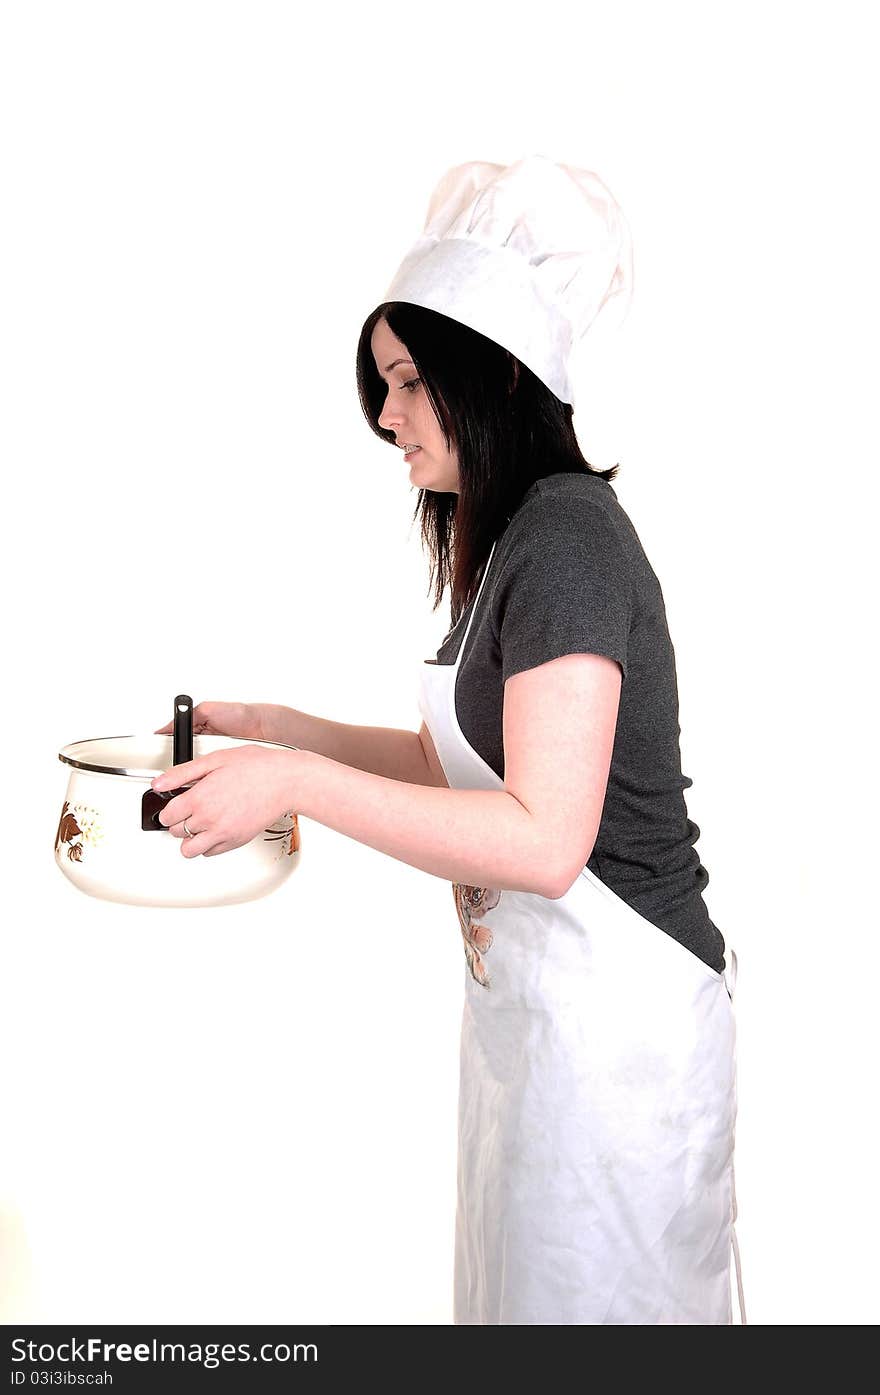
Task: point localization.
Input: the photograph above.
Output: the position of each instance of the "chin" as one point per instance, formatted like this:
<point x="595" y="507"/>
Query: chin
<point x="432" y="478"/>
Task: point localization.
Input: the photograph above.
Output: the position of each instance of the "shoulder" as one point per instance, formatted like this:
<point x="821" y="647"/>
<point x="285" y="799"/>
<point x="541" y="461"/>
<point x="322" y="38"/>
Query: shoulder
<point x="563" y="583"/>
<point x="570" y="520"/>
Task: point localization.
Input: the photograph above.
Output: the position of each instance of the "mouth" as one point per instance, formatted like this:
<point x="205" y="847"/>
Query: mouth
<point x="408" y="450"/>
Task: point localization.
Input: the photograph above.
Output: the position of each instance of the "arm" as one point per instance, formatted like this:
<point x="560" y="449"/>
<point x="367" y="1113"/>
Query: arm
<point x="394" y="753"/>
<point x="537" y="833"/>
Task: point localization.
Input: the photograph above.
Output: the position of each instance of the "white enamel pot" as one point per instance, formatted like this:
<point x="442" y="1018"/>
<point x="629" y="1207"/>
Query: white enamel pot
<point x="110" y="843"/>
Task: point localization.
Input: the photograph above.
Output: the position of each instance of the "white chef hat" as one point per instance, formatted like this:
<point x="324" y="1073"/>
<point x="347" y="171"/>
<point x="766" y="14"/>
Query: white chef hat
<point x="527" y="254"/>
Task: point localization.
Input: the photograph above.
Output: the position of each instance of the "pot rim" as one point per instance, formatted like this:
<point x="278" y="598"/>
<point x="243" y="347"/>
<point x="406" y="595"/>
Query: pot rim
<point x="147" y="772"/>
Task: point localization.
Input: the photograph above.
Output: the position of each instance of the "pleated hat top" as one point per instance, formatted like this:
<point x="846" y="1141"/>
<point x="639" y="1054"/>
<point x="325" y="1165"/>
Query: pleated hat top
<point x="532" y="255"/>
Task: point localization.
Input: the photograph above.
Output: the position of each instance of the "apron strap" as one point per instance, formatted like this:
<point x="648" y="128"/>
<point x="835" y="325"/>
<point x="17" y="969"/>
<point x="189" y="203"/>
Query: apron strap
<point x="730" y="980"/>
<point x="730" y="974"/>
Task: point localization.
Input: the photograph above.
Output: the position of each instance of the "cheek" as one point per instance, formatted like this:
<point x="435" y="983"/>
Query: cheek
<point x="431" y="430"/>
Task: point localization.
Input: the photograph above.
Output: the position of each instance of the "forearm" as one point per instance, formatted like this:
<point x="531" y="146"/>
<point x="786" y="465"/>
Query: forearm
<point x="483" y="838"/>
<point x="388" y="751"/>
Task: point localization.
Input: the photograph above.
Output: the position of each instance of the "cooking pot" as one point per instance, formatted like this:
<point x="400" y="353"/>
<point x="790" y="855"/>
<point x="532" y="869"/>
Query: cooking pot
<point x="111" y="844"/>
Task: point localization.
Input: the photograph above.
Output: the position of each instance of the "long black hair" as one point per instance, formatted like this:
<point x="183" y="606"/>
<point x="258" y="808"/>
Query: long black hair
<point x="506" y="427"/>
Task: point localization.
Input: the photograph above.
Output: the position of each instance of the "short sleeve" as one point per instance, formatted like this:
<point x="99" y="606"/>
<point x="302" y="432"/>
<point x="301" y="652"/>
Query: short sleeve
<point x="565" y="587"/>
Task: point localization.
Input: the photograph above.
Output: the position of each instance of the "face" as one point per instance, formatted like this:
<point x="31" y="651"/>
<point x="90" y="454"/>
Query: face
<point x="409" y="414"/>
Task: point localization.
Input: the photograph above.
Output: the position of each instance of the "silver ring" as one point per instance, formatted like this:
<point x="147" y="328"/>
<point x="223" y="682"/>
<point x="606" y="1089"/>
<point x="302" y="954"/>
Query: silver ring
<point x="186" y="831"/>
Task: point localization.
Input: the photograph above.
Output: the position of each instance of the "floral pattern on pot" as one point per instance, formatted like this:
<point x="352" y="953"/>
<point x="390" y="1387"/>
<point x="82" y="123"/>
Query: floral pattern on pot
<point x="471" y="902"/>
<point x="78" y="821"/>
<point x="278" y="835"/>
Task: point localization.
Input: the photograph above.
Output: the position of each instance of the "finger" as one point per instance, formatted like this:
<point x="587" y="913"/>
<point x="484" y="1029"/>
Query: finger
<point x="201" y="843"/>
<point x="174" y="812"/>
<point x="187" y="771"/>
<point x="201" y="727"/>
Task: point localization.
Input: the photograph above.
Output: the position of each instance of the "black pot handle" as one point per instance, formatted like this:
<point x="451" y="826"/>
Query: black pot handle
<point x="154" y="801"/>
<point x="183" y="729"/>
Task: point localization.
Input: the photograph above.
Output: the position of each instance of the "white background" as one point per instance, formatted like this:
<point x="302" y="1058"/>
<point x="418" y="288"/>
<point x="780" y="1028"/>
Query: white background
<point x="247" y="1114"/>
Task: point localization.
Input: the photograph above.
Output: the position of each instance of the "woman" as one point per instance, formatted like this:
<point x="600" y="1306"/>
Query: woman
<point x="597" y="1090"/>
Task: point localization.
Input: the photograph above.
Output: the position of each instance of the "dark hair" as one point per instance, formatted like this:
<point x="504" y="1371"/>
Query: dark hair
<point x="506" y="427"/>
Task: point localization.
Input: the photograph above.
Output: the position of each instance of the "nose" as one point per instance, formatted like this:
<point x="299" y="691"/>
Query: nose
<point x="392" y="415"/>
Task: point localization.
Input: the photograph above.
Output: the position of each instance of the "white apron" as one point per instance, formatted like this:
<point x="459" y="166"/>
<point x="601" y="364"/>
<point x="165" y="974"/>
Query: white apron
<point x="597" y="1099"/>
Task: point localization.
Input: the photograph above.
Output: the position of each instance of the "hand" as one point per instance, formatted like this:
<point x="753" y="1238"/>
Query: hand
<point x="239" y="719"/>
<point x="230" y="796"/>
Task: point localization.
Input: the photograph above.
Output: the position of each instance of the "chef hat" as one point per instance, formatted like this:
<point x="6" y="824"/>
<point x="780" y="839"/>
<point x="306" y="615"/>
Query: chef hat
<point x="527" y="254"/>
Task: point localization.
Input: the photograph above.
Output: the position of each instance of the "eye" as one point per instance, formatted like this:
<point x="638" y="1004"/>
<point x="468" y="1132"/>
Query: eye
<point x="412" y="384"/>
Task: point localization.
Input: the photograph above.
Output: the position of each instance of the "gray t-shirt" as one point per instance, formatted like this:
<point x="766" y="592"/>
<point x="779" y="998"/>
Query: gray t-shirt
<point x="569" y="575"/>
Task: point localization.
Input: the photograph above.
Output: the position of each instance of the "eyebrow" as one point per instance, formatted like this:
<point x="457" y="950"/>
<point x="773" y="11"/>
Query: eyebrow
<point x="395" y="363"/>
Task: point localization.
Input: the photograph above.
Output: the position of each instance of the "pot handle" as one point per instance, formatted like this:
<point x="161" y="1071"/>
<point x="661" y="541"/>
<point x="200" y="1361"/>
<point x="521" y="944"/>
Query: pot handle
<point x="154" y="801"/>
<point x="183" y="729"/>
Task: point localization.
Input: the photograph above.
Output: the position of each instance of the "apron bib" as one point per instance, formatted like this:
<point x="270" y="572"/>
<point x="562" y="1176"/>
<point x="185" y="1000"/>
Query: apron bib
<point x="597" y="1098"/>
